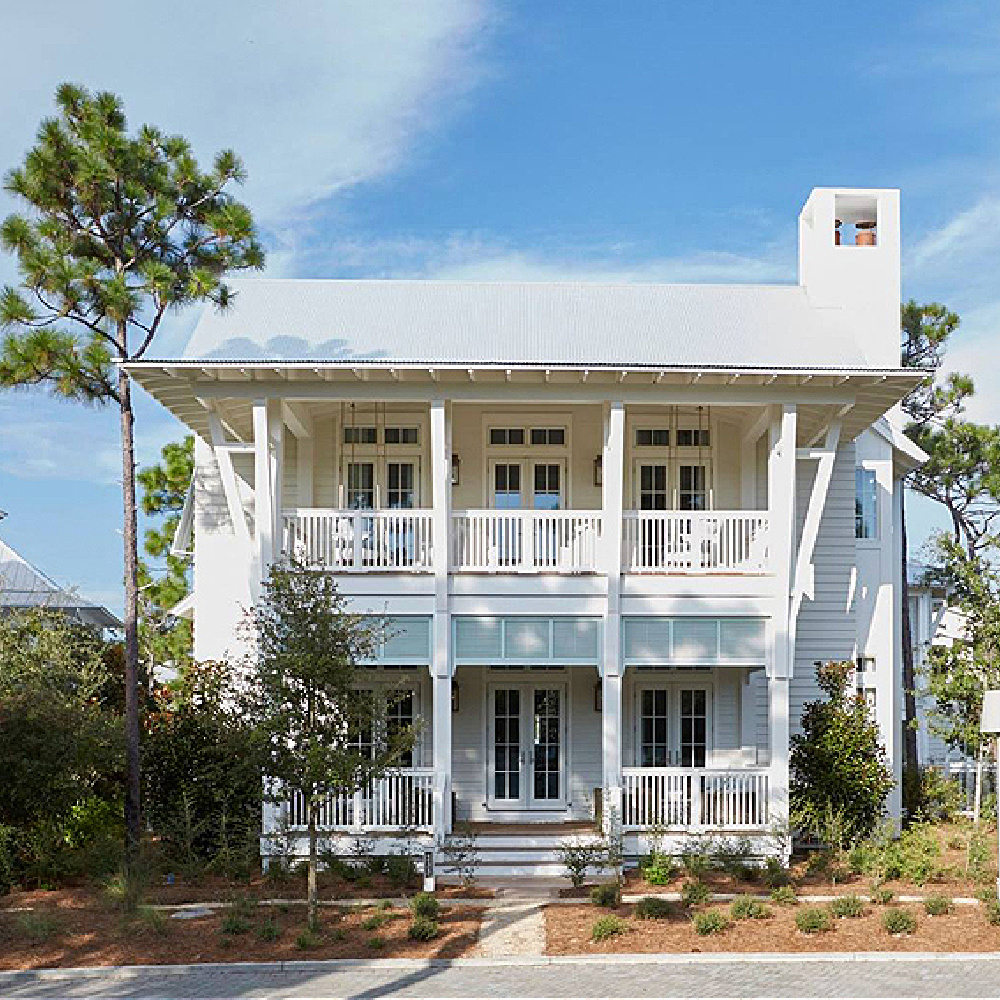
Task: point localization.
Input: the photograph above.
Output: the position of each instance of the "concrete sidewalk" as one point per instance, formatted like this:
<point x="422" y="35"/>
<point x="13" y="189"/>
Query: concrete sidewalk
<point x="711" y="975"/>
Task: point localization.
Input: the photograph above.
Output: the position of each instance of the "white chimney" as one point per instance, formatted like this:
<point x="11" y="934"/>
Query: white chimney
<point x="849" y="260"/>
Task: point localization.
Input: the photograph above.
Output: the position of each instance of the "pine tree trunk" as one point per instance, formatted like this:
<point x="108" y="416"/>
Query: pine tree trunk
<point x="132" y="764"/>
<point x="311" y="893"/>
<point x="911" y="761"/>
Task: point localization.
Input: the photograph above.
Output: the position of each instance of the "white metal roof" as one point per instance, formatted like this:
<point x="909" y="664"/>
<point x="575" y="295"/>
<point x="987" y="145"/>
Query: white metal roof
<point x="555" y="323"/>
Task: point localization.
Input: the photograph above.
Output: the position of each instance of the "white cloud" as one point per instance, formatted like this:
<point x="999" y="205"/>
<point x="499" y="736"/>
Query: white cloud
<point x="316" y="96"/>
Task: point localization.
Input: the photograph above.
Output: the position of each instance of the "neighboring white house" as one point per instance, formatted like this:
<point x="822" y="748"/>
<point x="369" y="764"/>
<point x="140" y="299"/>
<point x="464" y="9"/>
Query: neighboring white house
<point x="24" y="586"/>
<point x="615" y="525"/>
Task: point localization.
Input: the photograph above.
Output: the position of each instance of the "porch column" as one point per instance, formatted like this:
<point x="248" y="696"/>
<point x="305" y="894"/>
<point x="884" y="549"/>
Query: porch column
<point x="267" y="440"/>
<point x="781" y="502"/>
<point x="441" y="658"/>
<point x="613" y="469"/>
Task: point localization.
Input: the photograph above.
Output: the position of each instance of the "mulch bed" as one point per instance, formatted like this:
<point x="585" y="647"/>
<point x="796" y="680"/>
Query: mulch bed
<point x="965" y="929"/>
<point x="67" y="929"/>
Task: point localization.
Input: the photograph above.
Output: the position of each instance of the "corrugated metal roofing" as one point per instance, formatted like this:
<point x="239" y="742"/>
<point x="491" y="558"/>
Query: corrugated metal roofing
<point x="565" y="323"/>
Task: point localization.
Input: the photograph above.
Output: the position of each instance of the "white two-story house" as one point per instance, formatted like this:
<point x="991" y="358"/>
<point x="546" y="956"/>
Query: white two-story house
<point x="614" y="526"/>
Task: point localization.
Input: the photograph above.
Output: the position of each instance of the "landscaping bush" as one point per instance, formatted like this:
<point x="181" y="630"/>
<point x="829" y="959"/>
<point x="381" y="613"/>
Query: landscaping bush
<point x="269" y="930"/>
<point x="938" y="798"/>
<point x="374" y="922"/>
<point x="376" y="943"/>
<point x="993" y="912"/>
<point x="695" y="858"/>
<point x="425" y="905"/>
<point x="979" y="859"/>
<point x="605" y="895"/>
<point x="838" y="766"/>
<point x="881" y="895"/>
<point x="847" y="906"/>
<point x="400" y="870"/>
<point x="813" y="920"/>
<point x="711" y="922"/>
<point x="607" y="927"/>
<point x="423" y="928"/>
<point x="307" y="940"/>
<point x="775" y="872"/>
<point x="694" y="892"/>
<point x="658" y="869"/>
<point x="920" y="851"/>
<point x="654" y="908"/>
<point x="576" y="858"/>
<point x="896" y="921"/>
<point x="748" y="908"/>
<point x="234" y="923"/>
<point x="937" y="905"/>
<point x="784" y="895"/>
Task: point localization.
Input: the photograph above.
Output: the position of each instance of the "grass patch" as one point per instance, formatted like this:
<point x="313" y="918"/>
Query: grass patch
<point x="711" y="922"/>
<point x="607" y="927"/>
<point x="813" y="920"/>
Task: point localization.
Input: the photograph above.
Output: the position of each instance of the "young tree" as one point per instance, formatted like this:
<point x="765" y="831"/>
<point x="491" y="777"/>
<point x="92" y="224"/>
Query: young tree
<point x="119" y="230"/>
<point x="164" y="489"/>
<point x="320" y="733"/>
<point x="837" y="766"/>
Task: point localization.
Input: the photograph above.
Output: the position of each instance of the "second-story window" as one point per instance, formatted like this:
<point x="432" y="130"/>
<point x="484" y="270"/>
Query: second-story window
<point x="865" y="504"/>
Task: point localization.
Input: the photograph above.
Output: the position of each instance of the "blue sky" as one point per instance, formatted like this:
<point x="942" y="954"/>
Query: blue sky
<point x="467" y="138"/>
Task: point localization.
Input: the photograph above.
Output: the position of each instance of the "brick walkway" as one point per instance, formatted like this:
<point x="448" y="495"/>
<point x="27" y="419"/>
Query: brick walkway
<point x="884" y="977"/>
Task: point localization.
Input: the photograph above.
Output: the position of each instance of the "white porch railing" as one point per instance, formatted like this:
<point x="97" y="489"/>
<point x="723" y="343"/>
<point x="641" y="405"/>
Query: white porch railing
<point x="357" y="541"/>
<point x="525" y="541"/>
<point x="694" y="798"/>
<point x="401" y="800"/>
<point x="675" y="541"/>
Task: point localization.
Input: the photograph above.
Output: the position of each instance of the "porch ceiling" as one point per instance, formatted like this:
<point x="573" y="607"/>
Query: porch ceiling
<point x="187" y="388"/>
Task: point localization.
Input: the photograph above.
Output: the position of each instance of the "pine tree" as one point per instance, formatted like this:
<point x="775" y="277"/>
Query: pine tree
<point x="119" y="229"/>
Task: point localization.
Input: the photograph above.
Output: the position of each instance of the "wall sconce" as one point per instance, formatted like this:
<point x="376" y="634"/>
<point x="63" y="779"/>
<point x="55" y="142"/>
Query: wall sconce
<point x="599" y="696"/>
<point x="456" y="469"/>
<point x="454" y="696"/>
<point x="599" y="471"/>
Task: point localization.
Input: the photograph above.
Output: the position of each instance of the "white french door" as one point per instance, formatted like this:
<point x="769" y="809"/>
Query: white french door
<point x="527" y="746"/>
<point x="673" y="725"/>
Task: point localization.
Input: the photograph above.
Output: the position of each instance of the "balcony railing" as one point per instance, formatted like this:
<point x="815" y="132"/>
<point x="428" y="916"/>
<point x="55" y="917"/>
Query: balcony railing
<point x="402" y="800"/>
<point x="694" y="798"/>
<point x="358" y="541"/>
<point x="525" y="541"/>
<point x="674" y="541"/>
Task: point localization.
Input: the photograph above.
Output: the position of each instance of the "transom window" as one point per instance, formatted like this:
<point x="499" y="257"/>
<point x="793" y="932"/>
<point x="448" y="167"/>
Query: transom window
<point x="548" y="435"/>
<point x="693" y="437"/>
<point x="652" y="437"/>
<point x="402" y="435"/>
<point x="360" y="435"/>
<point x="506" y="435"/>
<point x="390" y="435"/>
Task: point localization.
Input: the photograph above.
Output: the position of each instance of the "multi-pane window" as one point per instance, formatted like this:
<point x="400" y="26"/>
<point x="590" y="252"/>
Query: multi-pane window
<point x="865" y="504"/>
<point x="654" y="737"/>
<point x="547" y="766"/>
<point x="652" y="437"/>
<point x="401" y="435"/>
<point x="363" y="737"/>
<point x="400" y="484"/>
<point x="360" y="485"/>
<point x="389" y="712"/>
<point x="692" y="493"/>
<point x="694" y="727"/>
<point x="360" y="435"/>
<point x="693" y="437"/>
<point x="547" y="493"/>
<point x="506" y="435"/>
<point x="548" y="435"/>
<point x="399" y="719"/>
<point x="507" y="743"/>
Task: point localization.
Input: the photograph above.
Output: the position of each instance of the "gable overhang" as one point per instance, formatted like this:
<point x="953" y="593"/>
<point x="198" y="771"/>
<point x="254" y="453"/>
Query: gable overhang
<point x="190" y="389"/>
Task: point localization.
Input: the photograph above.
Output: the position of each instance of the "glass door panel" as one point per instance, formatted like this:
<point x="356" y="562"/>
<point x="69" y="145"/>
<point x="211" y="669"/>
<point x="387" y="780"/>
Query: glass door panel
<point x="507" y="754"/>
<point x="507" y="531"/>
<point x="546" y="754"/>
<point x="693" y="727"/>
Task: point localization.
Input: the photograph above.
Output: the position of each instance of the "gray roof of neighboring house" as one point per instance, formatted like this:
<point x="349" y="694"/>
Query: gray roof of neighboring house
<point x="25" y="586"/>
<point x="557" y="323"/>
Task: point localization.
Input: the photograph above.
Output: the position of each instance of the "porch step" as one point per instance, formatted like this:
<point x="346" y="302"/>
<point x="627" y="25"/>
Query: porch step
<point x="528" y="851"/>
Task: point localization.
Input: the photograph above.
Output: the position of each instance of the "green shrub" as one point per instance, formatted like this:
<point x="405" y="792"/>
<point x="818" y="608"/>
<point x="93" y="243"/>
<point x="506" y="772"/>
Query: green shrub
<point x="694" y="892"/>
<point x="711" y="922"/>
<point x="308" y="939"/>
<point x="748" y="908"/>
<point x="605" y="895"/>
<point x="938" y="798"/>
<point x="993" y="912"/>
<point x="374" y="922"/>
<point x="658" y="869"/>
<point x="423" y="929"/>
<point x="153" y="920"/>
<point x="784" y="895"/>
<point x="386" y="904"/>
<point x="269" y="930"/>
<point x="577" y="858"/>
<point x="847" y="906"/>
<point x="654" y="908"/>
<point x="376" y="943"/>
<point x="813" y="920"/>
<point x="234" y="923"/>
<point x="937" y="905"/>
<point x="425" y="905"/>
<point x="920" y="851"/>
<point x="881" y="895"/>
<point x="607" y="927"/>
<point x="375" y="865"/>
<point x="979" y="859"/>
<point x="400" y="869"/>
<point x="896" y="921"/>
<point x="776" y="874"/>
<point x="838" y="765"/>
<point x="37" y="927"/>
<point x="695" y="859"/>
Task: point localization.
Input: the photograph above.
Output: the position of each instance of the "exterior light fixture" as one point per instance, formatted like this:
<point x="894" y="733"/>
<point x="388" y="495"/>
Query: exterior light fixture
<point x="599" y="697"/>
<point x="454" y="696"/>
<point x="599" y="471"/>
<point x="456" y="469"/>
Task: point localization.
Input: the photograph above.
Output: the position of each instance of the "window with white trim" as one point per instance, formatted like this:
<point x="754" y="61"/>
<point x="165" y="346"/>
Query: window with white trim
<point x="865" y="504"/>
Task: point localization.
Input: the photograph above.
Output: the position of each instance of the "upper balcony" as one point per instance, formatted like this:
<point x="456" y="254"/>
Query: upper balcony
<point x="528" y="541"/>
